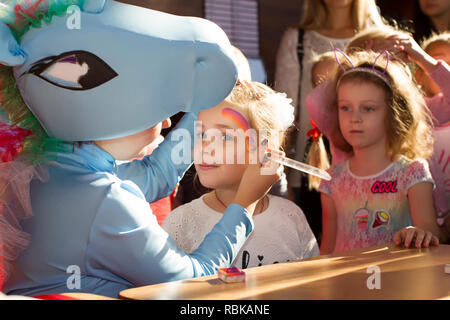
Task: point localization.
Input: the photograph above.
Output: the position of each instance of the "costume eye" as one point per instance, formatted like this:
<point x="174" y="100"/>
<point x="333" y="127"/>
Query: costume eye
<point x="75" y="70"/>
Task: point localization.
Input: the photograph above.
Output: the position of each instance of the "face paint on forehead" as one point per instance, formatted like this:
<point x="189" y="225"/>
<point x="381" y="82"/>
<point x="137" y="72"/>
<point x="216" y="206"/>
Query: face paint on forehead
<point x="243" y="124"/>
<point x="236" y="117"/>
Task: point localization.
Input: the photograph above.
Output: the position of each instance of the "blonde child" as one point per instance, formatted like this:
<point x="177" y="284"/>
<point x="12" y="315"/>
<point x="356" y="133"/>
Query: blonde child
<point x="322" y="67"/>
<point x="432" y="73"/>
<point x="385" y="187"/>
<point x="324" y="25"/>
<point x="281" y="230"/>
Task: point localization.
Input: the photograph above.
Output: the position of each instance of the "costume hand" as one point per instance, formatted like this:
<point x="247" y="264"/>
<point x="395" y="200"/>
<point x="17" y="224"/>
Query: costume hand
<point x="420" y="237"/>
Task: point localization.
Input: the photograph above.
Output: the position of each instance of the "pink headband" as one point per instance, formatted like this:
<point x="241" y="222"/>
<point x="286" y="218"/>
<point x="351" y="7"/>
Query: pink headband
<point x="381" y="75"/>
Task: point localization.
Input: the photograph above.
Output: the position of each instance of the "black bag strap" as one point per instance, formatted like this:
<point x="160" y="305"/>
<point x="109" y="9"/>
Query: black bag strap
<point x="300" y="53"/>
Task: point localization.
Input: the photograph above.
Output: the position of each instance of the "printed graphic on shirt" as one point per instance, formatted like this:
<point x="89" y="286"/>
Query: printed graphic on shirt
<point x="381" y="218"/>
<point x="384" y="186"/>
<point x="370" y="210"/>
<point x="260" y="260"/>
<point x="362" y="217"/>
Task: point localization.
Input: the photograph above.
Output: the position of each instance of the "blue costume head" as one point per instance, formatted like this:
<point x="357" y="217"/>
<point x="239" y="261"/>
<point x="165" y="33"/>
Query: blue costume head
<point x="100" y="69"/>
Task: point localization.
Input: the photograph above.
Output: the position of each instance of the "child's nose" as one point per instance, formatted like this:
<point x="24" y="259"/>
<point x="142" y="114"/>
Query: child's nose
<point x="205" y="144"/>
<point x="356" y="117"/>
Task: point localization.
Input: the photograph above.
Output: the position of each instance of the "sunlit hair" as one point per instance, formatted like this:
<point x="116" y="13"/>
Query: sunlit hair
<point x="266" y="110"/>
<point x="435" y="38"/>
<point x="362" y="38"/>
<point x="364" y="14"/>
<point x="408" y="121"/>
<point x="316" y="60"/>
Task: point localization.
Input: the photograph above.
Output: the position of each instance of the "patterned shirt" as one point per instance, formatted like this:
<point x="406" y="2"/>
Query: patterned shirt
<point x="371" y="209"/>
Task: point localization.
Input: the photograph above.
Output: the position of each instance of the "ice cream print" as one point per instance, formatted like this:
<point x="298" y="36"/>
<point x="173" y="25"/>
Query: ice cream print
<point x="381" y="218"/>
<point x="362" y="217"/>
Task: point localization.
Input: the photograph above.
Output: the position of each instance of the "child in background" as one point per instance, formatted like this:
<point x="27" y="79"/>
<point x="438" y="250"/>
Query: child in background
<point x="434" y="79"/>
<point x="322" y="67"/>
<point x="385" y="186"/>
<point x="281" y="230"/>
<point x="433" y="75"/>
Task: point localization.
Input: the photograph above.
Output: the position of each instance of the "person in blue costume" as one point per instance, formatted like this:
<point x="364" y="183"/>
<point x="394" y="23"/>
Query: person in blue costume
<point x="96" y="81"/>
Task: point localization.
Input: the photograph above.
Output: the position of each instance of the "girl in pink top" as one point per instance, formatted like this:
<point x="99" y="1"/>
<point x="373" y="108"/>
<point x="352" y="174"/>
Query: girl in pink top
<point x="435" y="83"/>
<point x="433" y="73"/>
<point x="385" y="187"/>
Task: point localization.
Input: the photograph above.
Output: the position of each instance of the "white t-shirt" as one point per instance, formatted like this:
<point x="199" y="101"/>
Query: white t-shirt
<point x="281" y="232"/>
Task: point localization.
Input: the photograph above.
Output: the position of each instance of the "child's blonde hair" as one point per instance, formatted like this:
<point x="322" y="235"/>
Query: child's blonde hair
<point x="318" y="58"/>
<point x="408" y="121"/>
<point x="443" y="37"/>
<point x="266" y="110"/>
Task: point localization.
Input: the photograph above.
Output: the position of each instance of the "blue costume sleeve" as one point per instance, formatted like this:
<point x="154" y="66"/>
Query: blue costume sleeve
<point x="127" y="241"/>
<point x="158" y="174"/>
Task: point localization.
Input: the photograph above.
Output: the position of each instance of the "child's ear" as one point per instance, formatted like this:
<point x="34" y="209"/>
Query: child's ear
<point x="10" y="52"/>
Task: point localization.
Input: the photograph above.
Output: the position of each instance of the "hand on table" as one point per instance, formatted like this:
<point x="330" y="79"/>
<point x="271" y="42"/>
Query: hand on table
<point x="421" y="238"/>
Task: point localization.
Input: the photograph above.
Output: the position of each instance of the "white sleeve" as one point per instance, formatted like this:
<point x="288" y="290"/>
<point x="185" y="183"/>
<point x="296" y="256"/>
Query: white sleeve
<point x="308" y="241"/>
<point x="287" y="67"/>
<point x="174" y="226"/>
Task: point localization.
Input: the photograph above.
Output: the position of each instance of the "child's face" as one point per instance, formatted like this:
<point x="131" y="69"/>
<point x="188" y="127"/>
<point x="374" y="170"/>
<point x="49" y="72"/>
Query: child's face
<point x="337" y="4"/>
<point x="136" y="145"/>
<point x="440" y="51"/>
<point x="220" y="157"/>
<point x="362" y="112"/>
<point x="434" y="7"/>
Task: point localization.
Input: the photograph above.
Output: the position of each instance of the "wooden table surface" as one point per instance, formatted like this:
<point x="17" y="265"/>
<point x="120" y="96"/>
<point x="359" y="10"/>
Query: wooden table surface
<point x="404" y="274"/>
<point x="86" y="296"/>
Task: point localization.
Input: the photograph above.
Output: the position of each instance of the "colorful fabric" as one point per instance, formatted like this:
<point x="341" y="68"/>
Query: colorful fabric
<point x="94" y="213"/>
<point x="371" y="209"/>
